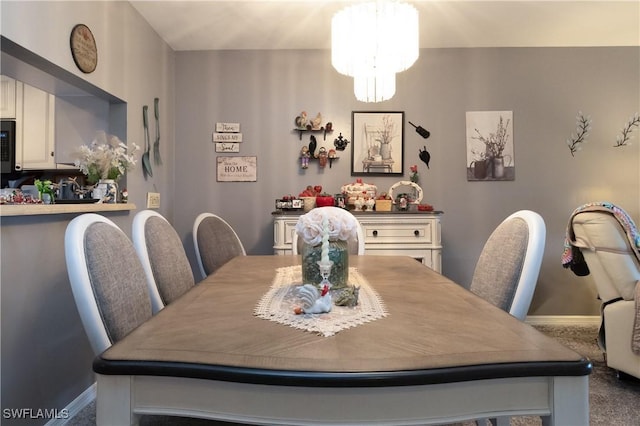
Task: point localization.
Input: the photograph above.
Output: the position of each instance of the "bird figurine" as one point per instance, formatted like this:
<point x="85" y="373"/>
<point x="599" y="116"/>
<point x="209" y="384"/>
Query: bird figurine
<point x="425" y="156"/>
<point x="313" y="300"/>
<point x="316" y="123"/>
<point x="313" y="143"/>
<point x="301" y="120"/>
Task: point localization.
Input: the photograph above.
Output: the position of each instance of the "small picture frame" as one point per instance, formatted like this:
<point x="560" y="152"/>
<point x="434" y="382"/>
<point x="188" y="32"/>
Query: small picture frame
<point x="377" y="143"/>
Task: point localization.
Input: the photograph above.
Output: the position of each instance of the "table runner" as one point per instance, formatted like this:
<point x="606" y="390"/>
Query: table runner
<point x="279" y="302"/>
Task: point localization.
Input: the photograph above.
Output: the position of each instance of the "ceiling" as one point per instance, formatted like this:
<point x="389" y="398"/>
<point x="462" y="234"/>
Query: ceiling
<point x="306" y="24"/>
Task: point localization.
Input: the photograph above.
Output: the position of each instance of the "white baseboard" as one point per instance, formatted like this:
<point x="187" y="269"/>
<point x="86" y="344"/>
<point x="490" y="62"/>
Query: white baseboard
<point x="75" y="406"/>
<point x="563" y="320"/>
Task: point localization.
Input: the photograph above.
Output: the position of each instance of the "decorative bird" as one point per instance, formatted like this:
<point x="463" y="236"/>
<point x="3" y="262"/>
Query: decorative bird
<point x="301" y="120"/>
<point x="313" y="300"/>
<point x="313" y="143"/>
<point x="316" y="123"/>
<point x="425" y="156"/>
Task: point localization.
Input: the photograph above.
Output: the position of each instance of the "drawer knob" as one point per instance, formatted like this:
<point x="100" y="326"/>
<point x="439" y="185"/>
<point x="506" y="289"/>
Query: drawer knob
<point x="416" y="233"/>
<point x="375" y="233"/>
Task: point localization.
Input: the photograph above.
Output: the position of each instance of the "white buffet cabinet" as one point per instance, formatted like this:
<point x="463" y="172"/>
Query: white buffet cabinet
<point x="415" y="234"/>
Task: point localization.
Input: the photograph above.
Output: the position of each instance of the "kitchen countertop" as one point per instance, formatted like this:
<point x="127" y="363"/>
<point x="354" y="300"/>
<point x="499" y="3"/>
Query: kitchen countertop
<point x="47" y="209"/>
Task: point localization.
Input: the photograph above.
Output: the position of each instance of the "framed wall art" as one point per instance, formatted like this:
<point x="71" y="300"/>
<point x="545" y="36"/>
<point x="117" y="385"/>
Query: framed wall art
<point x="490" y="151"/>
<point x="377" y="143"/>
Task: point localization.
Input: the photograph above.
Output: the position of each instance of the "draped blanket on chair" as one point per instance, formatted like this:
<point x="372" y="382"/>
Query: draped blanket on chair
<point x="572" y="257"/>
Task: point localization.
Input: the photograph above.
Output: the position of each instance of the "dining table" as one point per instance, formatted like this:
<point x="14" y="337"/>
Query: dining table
<point x="418" y="348"/>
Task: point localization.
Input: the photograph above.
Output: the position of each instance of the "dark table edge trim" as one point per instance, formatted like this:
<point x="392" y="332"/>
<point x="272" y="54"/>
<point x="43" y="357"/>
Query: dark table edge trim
<point x="258" y="376"/>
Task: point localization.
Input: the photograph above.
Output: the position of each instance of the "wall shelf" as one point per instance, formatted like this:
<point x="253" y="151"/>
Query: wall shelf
<point x="320" y="130"/>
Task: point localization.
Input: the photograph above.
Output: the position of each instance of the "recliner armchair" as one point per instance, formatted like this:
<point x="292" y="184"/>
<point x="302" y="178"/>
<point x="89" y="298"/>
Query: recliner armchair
<point x="600" y="243"/>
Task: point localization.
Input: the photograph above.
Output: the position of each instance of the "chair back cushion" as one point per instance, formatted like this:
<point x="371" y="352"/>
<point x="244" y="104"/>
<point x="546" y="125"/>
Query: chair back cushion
<point x="497" y="272"/>
<point x="217" y="243"/>
<point x="117" y="279"/>
<point x="169" y="264"/>
<point x="612" y="263"/>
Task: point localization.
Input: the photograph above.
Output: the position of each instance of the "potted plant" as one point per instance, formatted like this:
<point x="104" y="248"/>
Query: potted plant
<point x="104" y="162"/>
<point x="45" y="191"/>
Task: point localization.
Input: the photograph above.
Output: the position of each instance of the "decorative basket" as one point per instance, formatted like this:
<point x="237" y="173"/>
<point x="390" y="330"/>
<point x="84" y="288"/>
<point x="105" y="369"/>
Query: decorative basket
<point x="383" y="205"/>
<point x="309" y="203"/>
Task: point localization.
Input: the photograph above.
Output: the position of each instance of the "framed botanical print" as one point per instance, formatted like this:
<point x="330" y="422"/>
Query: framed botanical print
<point x="377" y="143"/>
<point x="490" y="150"/>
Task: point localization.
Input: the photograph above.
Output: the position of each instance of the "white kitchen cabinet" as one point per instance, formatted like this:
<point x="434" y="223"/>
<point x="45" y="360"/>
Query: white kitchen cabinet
<point x="35" y="128"/>
<point x="7" y="98"/>
<point x="415" y="234"/>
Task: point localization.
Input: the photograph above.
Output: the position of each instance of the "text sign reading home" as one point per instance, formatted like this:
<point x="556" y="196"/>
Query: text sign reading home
<point x="237" y="169"/>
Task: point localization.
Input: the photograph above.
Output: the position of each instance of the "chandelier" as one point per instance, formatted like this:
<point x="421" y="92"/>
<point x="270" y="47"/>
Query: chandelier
<point x="373" y="41"/>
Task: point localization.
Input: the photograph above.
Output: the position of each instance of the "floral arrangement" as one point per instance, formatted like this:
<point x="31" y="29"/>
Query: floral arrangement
<point x="339" y="226"/>
<point x="105" y="158"/>
<point x="387" y="133"/>
<point x="496" y="142"/>
<point x="414" y="173"/>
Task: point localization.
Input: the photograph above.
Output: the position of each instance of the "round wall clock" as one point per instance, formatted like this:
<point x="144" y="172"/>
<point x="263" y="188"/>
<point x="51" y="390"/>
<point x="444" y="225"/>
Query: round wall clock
<point x="83" y="48"/>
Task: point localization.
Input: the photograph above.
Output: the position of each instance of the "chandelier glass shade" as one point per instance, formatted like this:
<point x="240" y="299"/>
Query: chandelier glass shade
<point x="372" y="42"/>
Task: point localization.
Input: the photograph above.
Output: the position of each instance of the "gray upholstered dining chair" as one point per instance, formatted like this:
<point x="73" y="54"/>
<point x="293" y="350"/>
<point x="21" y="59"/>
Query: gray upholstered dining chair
<point x="215" y="243"/>
<point x="356" y="246"/>
<point x="163" y="258"/>
<point x="107" y="280"/>
<point x="507" y="271"/>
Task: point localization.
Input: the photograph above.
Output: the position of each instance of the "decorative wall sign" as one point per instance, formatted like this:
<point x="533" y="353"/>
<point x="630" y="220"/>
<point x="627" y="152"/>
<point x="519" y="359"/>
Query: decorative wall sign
<point x="227" y="147"/>
<point x="83" y="48"/>
<point x="228" y="127"/>
<point x="236" y="169"/>
<point x="377" y="143"/>
<point x="490" y="145"/>
<point x="227" y="137"/>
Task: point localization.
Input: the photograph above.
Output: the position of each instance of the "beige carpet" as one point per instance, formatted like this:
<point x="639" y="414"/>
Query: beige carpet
<point x="613" y="401"/>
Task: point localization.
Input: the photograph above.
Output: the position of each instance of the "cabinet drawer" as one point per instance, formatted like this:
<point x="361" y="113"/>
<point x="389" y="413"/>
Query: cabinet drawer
<point x="418" y="233"/>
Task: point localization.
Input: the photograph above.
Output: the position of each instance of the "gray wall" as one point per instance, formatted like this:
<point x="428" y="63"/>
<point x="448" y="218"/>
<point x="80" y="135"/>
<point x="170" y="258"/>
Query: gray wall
<point x="46" y="357"/>
<point x="544" y="87"/>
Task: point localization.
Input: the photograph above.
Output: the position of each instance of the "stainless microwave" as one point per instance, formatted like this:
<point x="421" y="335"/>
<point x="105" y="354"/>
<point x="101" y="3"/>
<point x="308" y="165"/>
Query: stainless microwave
<point x="7" y="146"/>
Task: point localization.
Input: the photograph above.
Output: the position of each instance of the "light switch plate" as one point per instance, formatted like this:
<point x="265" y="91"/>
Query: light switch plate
<point x="153" y="200"/>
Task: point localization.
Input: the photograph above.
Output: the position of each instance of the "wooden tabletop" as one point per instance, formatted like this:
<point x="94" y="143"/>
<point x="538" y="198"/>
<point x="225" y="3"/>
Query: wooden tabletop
<point x="436" y="332"/>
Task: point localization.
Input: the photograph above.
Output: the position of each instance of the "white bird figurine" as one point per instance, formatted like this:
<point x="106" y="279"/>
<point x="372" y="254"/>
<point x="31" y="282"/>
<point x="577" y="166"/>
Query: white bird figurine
<point x="316" y="123"/>
<point x="313" y="300"/>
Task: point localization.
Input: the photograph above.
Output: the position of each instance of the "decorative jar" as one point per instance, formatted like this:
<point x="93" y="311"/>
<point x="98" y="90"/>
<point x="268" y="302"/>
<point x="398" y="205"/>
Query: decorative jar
<point x="338" y="254"/>
<point x="106" y="190"/>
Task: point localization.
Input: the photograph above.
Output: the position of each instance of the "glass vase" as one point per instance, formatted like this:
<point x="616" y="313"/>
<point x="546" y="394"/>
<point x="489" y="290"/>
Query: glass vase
<point x="338" y="254"/>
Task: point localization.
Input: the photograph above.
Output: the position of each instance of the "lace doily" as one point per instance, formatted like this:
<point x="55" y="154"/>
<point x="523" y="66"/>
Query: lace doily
<point x="279" y="302"/>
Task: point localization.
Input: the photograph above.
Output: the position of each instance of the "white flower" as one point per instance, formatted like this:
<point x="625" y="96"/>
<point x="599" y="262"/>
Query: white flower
<point x="105" y="158"/>
<point x="339" y="226"/>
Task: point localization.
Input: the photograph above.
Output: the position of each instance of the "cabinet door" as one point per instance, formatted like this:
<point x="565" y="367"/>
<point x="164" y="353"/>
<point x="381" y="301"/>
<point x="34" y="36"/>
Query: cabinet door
<point x="7" y="97"/>
<point x="35" y="143"/>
